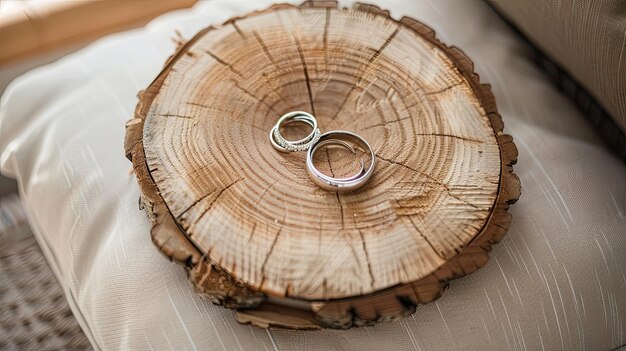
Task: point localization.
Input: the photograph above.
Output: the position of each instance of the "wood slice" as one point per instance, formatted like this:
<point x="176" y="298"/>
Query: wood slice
<point x="255" y="232"/>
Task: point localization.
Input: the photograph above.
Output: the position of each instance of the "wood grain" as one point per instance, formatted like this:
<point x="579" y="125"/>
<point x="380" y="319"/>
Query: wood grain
<point x="254" y="230"/>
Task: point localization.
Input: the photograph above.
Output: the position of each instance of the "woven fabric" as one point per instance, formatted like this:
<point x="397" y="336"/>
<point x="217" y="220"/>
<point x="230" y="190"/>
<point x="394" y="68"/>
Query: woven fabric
<point x="557" y="280"/>
<point x="33" y="312"/>
<point x="587" y="38"/>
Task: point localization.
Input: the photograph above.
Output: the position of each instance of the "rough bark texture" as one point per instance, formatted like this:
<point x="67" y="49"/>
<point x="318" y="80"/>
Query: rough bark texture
<point x="255" y="233"/>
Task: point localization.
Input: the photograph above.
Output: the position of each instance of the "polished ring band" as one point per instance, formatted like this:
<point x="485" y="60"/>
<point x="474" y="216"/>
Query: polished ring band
<point x="342" y="138"/>
<point x="283" y="145"/>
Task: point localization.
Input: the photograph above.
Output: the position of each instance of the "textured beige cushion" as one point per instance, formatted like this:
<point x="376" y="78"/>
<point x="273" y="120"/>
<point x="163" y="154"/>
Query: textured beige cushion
<point x="587" y="38"/>
<point x="556" y="281"/>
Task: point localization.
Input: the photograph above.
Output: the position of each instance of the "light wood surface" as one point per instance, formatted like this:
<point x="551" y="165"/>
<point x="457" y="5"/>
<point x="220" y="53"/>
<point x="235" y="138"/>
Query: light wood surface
<point x="251" y="226"/>
<point x="39" y="27"/>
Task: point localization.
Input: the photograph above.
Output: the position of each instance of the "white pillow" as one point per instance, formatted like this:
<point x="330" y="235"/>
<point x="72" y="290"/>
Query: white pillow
<point x="557" y="281"/>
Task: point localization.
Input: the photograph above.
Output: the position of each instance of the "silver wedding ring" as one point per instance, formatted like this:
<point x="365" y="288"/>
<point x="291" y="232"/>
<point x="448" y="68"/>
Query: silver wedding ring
<point x="283" y="145"/>
<point x="345" y="139"/>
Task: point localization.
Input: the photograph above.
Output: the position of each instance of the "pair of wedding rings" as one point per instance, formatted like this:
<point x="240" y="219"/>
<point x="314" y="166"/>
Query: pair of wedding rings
<point x="314" y="141"/>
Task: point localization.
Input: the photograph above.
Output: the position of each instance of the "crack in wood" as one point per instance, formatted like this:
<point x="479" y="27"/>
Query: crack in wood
<point x="306" y="74"/>
<point x="432" y="180"/>
<point x="171" y="115"/>
<point x="194" y="204"/>
<point x="463" y="201"/>
<point x="352" y="249"/>
<point x="340" y="210"/>
<point x="265" y="50"/>
<point x="426" y="239"/>
<point x="192" y="103"/>
<point x="267" y="256"/>
<point x="406" y="108"/>
<point x="212" y="202"/>
<point x="387" y="122"/>
<point x="269" y="56"/>
<point x="326" y="25"/>
<point x="326" y="74"/>
<point x="265" y="192"/>
<point x="224" y="63"/>
<point x="254" y="127"/>
<point x="254" y="97"/>
<point x="332" y="172"/>
<point x="444" y="89"/>
<point x="451" y="136"/>
<point x="367" y="258"/>
<point x="319" y="236"/>
<point x="365" y="69"/>
<point x="252" y="232"/>
<point x="238" y="30"/>
<point x="377" y="53"/>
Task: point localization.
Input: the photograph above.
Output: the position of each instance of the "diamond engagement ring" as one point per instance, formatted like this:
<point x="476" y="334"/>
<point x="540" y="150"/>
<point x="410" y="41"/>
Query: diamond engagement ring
<point x="283" y="145"/>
